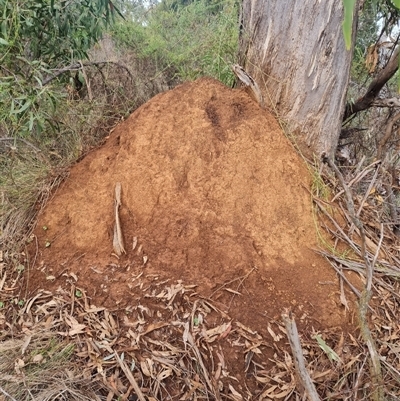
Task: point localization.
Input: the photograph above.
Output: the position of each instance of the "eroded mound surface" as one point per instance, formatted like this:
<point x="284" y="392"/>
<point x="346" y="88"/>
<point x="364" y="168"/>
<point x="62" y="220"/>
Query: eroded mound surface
<point x="212" y="194"/>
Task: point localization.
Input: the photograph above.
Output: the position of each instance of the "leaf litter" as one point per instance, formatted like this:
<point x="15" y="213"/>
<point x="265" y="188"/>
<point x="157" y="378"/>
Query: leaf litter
<point x="178" y="346"/>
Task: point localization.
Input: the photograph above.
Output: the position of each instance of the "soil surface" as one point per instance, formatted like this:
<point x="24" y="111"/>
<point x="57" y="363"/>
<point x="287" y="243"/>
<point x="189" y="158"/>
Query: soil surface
<point x="213" y="194"/>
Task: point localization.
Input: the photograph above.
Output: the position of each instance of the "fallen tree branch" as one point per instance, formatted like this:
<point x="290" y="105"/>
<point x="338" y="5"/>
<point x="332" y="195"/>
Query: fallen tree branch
<point x="295" y="345"/>
<point x="376" y="369"/>
<point x="80" y="65"/>
<point x="130" y="377"/>
<point x="22" y="140"/>
<point x="118" y="241"/>
<point x="4" y="392"/>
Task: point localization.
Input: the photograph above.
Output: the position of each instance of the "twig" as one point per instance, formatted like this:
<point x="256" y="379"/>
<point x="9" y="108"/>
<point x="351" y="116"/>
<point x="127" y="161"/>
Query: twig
<point x="201" y="363"/>
<point x="118" y="241"/>
<point x="241" y="279"/>
<point x="388" y="133"/>
<point x="357" y="178"/>
<point x="294" y="340"/>
<point x="22" y="140"/>
<point x="354" y="289"/>
<point x="7" y="395"/>
<point x="78" y="66"/>
<point x="371" y="184"/>
<point x="367" y="293"/>
<point x="356" y="221"/>
<point x="340" y="230"/>
<point x="375" y="87"/>
<point x="378" y="248"/>
<point x="130" y="377"/>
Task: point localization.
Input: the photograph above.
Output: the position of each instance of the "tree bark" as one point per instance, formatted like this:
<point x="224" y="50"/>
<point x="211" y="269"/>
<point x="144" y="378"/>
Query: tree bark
<point x="295" y="50"/>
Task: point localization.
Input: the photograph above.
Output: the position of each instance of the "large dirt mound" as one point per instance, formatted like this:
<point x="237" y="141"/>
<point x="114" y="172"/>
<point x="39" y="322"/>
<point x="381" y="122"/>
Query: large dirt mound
<point x="212" y="193"/>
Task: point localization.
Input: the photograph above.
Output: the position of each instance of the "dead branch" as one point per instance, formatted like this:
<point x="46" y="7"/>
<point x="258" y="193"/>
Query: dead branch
<point x="388" y="133"/>
<point x="392" y="208"/>
<point x="78" y="66"/>
<point x="388" y="102"/>
<point x="118" y="241"/>
<point x="250" y="83"/>
<point x="377" y="380"/>
<point x="22" y="140"/>
<point x="130" y="377"/>
<point x="374" y="88"/>
<point x="295" y="345"/>
<point x="4" y="392"/>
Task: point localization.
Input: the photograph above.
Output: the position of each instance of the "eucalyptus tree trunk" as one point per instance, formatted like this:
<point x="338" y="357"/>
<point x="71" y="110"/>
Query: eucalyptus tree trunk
<point x="295" y="51"/>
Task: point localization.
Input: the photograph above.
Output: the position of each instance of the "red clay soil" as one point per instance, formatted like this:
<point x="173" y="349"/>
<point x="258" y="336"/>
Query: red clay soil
<point x="213" y="193"/>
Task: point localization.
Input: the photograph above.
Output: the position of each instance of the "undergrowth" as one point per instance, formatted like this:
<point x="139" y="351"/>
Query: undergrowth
<point x="186" y="41"/>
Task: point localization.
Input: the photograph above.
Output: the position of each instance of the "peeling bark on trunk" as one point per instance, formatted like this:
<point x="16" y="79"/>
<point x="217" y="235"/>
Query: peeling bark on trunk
<point x="295" y="50"/>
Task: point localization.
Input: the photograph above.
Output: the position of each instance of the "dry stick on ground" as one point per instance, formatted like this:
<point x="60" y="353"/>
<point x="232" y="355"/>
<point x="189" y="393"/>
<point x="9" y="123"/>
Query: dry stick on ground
<point x="118" y="242"/>
<point x="199" y="359"/>
<point x="367" y="193"/>
<point x="7" y="395"/>
<point x="377" y="381"/>
<point x="22" y="140"/>
<point x="358" y="178"/>
<point x="130" y="377"/>
<point x="294" y="340"/>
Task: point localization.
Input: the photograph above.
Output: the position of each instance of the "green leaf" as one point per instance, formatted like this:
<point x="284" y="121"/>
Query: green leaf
<point x="4" y="42"/>
<point x="331" y="354"/>
<point x="23" y="108"/>
<point x="396" y="3"/>
<point x="348" y="21"/>
<point x="4" y="28"/>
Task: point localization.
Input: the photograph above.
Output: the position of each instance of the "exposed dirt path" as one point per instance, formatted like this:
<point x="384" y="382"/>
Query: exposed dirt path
<point x="214" y="195"/>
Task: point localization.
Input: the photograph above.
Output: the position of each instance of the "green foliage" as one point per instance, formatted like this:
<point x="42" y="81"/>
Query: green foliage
<point x="188" y="39"/>
<point x="35" y="37"/>
<point x="54" y="32"/>
<point x="348" y="21"/>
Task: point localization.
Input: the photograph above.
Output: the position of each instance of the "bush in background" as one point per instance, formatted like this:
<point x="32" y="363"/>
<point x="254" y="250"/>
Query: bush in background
<point x="184" y="39"/>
